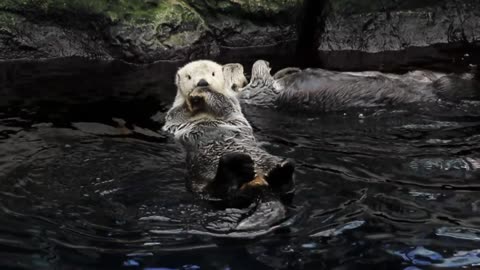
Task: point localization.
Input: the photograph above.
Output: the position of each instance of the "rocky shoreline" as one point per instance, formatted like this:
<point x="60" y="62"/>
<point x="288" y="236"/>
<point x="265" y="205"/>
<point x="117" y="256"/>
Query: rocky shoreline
<point x="141" y="31"/>
<point x="343" y="34"/>
<point x="430" y="34"/>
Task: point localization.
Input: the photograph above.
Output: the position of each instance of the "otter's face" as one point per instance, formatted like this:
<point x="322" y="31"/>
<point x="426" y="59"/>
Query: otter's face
<point x="260" y="71"/>
<point x="234" y="76"/>
<point x="261" y="90"/>
<point x="202" y="73"/>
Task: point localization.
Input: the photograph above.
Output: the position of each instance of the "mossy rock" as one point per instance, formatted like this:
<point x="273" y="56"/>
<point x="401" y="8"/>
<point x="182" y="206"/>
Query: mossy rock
<point x="156" y="29"/>
<point x="7" y="20"/>
<point x="260" y="9"/>
<point x="144" y="30"/>
<point x="161" y="14"/>
<point x="115" y="10"/>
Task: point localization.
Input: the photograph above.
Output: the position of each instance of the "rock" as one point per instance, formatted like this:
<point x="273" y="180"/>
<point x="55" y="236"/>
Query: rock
<point x="250" y="24"/>
<point x="141" y="30"/>
<point x="239" y="33"/>
<point x="22" y="39"/>
<point x="385" y="36"/>
<point x="344" y="34"/>
<point x="174" y="32"/>
<point x="259" y="9"/>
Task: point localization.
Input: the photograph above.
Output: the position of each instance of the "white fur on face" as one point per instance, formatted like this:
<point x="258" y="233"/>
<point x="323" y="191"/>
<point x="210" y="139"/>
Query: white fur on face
<point x="190" y="75"/>
<point x="234" y="77"/>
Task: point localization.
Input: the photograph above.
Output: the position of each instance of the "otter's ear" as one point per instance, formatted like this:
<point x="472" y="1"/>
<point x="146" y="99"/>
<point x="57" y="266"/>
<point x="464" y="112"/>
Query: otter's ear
<point x="177" y="79"/>
<point x="232" y="66"/>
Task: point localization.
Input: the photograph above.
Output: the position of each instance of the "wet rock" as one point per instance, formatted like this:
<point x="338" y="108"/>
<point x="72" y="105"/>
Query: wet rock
<point x="348" y="34"/>
<point x="260" y="9"/>
<point x="22" y="39"/>
<point x="238" y="33"/>
<point x="141" y="31"/>
<point x="250" y="23"/>
<point x="374" y="34"/>
<point x="173" y="32"/>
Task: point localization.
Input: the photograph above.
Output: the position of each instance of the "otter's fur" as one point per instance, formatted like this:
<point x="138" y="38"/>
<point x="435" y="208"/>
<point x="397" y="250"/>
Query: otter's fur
<point x="234" y="76"/>
<point x="223" y="157"/>
<point x="199" y="73"/>
<point x="323" y="90"/>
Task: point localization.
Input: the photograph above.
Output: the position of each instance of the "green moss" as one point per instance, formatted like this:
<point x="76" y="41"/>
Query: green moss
<point x="7" y="20"/>
<point x="176" y="11"/>
<point x="114" y="10"/>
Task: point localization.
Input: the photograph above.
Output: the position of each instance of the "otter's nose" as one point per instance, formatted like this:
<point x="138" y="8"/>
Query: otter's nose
<point x="202" y="83"/>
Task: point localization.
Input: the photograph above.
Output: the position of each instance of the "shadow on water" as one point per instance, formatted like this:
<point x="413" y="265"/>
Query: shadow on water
<point x="87" y="180"/>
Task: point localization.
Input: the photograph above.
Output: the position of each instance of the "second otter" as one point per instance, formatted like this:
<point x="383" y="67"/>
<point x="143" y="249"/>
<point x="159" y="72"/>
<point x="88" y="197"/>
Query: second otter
<point x="319" y="90"/>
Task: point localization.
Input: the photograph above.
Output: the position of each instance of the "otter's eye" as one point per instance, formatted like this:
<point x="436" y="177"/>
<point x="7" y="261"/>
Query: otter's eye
<point x="213" y="74"/>
<point x="188" y="77"/>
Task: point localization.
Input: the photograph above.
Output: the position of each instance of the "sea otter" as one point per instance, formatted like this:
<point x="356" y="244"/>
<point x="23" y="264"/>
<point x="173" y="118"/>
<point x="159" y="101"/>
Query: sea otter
<point x="224" y="161"/>
<point x="234" y="76"/>
<point x="320" y="90"/>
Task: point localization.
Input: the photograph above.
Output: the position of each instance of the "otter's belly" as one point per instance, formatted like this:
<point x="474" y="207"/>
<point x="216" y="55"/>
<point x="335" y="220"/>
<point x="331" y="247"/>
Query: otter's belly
<point x="310" y="91"/>
<point x="205" y="149"/>
<point x="203" y="161"/>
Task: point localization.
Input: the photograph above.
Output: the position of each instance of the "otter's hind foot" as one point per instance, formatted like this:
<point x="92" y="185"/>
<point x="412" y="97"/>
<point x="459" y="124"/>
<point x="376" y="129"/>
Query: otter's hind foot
<point x="234" y="170"/>
<point x="281" y="180"/>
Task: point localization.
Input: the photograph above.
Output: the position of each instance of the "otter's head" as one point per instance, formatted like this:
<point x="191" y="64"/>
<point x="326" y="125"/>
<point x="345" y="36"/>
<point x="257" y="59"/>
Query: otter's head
<point x="201" y="73"/>
<point x="261" y="72"/>
<point x="206" y="74"/>
<point x="234" y="76"/>
<point x="262" y="89"/>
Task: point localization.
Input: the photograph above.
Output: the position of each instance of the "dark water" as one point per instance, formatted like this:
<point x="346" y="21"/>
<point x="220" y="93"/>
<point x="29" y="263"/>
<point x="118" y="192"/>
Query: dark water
<point x="88" y="182"/>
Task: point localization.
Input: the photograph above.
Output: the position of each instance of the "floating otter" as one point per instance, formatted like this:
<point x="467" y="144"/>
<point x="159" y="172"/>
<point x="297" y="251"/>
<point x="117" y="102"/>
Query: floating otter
<point x="319" y="90"/>
<point x="234" y="76"/>
<point x="224" y="161"/>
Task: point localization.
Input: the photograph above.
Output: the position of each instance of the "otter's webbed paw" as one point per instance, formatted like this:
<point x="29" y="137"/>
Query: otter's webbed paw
<point x="197" y="100"/>
<point x="234" y="170"/>
<point x="281" y="180"/>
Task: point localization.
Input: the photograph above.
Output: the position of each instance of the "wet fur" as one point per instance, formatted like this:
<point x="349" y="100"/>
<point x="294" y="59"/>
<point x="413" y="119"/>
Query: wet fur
<point x="234" y="76"/>
<point x="323" y="90"/>
<point x="215" y="134"/>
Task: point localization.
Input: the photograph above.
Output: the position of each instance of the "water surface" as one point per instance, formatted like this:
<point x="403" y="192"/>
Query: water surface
<point x="87" y="180"/>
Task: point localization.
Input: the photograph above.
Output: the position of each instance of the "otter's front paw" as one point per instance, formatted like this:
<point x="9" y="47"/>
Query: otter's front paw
<point x="196" y="100"/>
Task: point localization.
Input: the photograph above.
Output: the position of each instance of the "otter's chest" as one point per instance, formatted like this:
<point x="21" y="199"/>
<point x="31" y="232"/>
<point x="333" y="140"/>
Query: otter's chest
<point x="215" y="135"/>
